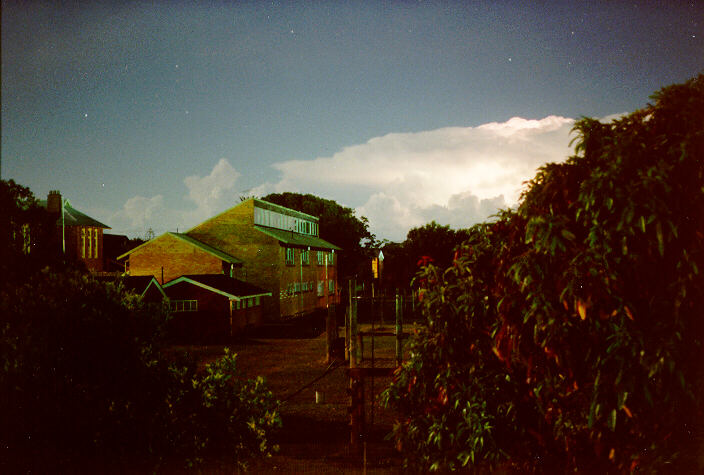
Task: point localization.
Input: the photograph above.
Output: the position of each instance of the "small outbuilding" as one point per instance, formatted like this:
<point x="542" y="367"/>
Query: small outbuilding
<point x="213" y="307"/>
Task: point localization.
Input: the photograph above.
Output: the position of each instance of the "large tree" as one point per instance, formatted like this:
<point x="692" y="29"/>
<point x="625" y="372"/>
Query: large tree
<point x="568" y="334"/>
<point x="338" y="225"/>
<point x="28" y="238"/>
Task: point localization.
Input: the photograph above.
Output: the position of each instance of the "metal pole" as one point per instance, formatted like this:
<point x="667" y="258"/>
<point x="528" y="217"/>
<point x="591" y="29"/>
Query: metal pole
<point x="63" y="227"/>
<point x="353" y="326"/>
<point x="399" y="328"/>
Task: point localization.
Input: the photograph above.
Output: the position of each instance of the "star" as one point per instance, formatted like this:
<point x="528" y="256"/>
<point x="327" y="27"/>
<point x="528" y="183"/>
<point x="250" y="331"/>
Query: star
<point x="85" y="116"/>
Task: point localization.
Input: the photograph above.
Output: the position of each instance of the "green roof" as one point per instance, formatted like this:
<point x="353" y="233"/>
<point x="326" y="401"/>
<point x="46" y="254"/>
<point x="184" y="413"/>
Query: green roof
<point x="283" y="210"/>
<point x="73" y="217"/>
<point x="193" y="242"/>
<point x="296" y="239"/>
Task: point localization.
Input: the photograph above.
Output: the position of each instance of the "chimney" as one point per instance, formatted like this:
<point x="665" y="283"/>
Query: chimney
<point x="53" y="202"/>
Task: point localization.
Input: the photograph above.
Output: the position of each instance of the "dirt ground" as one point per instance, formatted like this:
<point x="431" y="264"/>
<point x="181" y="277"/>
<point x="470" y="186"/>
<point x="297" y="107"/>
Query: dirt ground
<point x="315" y="435"/>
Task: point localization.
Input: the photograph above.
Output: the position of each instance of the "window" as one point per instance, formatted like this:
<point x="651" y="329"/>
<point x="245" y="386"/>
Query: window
<point x="83" y="243"/>
<point x="331" y="258"/>
<point x="305" y="257"/>
<point x="90" y="240"/>
<point x="95" y="247"/>
<point x="184" y="305"/>
<point x="321" y="288"/>
<point x="320" y="258"/>
<point x="290" y="256"/>
<point x="331" y="286"/>
<point x="257" y="300"/>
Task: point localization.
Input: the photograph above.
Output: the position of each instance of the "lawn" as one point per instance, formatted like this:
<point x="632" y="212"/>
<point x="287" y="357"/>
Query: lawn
<point x="315" y="435"/>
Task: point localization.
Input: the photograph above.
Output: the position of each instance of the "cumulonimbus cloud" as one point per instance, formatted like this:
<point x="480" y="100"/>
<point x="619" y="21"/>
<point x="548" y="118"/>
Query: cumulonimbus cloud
<point x="454" y="175"/>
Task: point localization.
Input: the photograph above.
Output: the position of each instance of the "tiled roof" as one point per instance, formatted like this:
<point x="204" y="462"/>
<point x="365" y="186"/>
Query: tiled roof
<point x="194" y="242"/>
<point x="73" y="217"/>
<point x="222" y="284"/>
<point x="296" y="239"/>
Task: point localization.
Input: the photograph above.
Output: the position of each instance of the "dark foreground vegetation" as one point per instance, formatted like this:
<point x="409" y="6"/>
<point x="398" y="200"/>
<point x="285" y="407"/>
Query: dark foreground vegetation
<point x="568" y="334"/>
<point x="84" y="380"/>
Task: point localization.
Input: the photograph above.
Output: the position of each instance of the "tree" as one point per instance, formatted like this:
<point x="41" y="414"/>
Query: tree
<point x="568" y="333"/>
<point x="338" y="225"/>
<point x="429" y="243"/>
<point x="82" y="377"/>
<point x="27" y="232"/>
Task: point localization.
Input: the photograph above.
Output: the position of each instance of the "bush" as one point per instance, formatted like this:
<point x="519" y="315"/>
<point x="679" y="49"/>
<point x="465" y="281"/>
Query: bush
<point x="568" y="333"/>
<point x="82" y="375"/>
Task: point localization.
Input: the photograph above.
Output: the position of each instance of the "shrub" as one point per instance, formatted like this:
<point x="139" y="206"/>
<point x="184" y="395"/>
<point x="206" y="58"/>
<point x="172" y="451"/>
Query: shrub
<point x="82" y="376"/>
<point x="570" y="329"/>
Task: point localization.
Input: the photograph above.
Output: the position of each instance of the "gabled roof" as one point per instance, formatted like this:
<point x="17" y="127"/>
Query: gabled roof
<point x="193" y="242"/>
<point x="73" y="217"/>
<point x="138" y="284"/>
<point x="222" y="284"/>
<point x="296" y="239"/>
<point x="141" y="283"/>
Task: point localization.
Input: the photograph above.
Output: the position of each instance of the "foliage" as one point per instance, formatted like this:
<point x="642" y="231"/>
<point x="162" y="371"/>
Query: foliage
<point x="27" y="232"/>
<point x="74" y="360"/>
<point x="81" y="373"/>
<point x="431" y="241"/>
<point x="217" y="412"/>
<point x="570" y="330"/>
<point x="338" y="225"/>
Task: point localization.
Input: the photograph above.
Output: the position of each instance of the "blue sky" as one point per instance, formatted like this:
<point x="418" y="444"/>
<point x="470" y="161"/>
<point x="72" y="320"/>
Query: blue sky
<point x="161" y="114"/>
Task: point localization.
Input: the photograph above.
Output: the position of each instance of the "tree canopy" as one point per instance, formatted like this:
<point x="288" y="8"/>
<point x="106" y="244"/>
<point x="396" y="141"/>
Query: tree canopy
<point x="338" y="225"/>
<point x="568" y="334"/>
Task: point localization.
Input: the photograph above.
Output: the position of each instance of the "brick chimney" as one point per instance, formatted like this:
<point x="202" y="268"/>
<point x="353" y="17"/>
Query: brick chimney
<point x="53" y="202"/>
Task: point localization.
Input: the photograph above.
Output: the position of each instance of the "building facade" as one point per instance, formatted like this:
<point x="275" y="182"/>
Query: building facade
<point x="272" y="247"/>
<point x="80" y="236"/>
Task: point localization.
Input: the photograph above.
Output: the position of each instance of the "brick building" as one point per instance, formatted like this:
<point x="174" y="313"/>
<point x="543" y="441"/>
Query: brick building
<point x="79" y="235"/>
<point x="269" y="246"/>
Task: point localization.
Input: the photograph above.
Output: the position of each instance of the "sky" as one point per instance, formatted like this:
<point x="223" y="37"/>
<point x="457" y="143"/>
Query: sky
<point x="161" y="114"/>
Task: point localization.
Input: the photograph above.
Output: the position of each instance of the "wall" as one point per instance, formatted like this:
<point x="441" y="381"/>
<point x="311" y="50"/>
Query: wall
<point x="211" y="323"/>
<point x="175" y="256"/>
<point x="233" y="232"/>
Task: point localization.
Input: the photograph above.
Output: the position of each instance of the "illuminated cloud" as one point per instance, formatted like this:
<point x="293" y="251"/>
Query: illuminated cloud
<point x="138" y="214"/>
<point x="211" y="194"/>
<point x="214" y="192"/>
<point x="454" y="175"/>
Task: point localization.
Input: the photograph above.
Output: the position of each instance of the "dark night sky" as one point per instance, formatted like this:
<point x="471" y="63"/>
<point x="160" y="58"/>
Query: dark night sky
<point x="161" y="114"/>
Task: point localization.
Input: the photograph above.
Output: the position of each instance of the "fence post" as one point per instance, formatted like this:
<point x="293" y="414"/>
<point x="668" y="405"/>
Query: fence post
<point x="331" y="331"/>
<point x="353" y="325"/>
<point x="399" y="328"/>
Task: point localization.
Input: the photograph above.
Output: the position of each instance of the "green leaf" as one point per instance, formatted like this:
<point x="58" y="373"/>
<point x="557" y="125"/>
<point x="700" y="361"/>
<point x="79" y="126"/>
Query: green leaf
<point x="612" y="420"/>
<point x="661" y="240"/>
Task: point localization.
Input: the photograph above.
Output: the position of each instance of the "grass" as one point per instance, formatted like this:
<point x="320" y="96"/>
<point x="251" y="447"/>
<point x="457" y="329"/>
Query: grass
<point x="315" y="436"/>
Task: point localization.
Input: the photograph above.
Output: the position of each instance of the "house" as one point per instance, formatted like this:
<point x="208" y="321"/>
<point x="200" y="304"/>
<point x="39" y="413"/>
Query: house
<point x="80" y="236"/>
<point x="269" y="246"/>
<point x="209" y="306"/>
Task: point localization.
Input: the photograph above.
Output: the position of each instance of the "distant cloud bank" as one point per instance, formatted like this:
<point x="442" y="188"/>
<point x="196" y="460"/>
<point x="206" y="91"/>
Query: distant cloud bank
<point x="455" y="175"/>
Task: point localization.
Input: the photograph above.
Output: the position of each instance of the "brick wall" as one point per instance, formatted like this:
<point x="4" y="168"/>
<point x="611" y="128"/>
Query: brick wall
<point x="175" y="256"/>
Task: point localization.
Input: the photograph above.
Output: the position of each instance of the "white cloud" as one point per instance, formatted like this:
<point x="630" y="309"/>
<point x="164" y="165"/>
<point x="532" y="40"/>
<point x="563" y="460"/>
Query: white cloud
<point x="214" y="192"/>
<point x="138" y="214"/>
<point x="211" y="194"/>
<point x="454" y="175"/>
